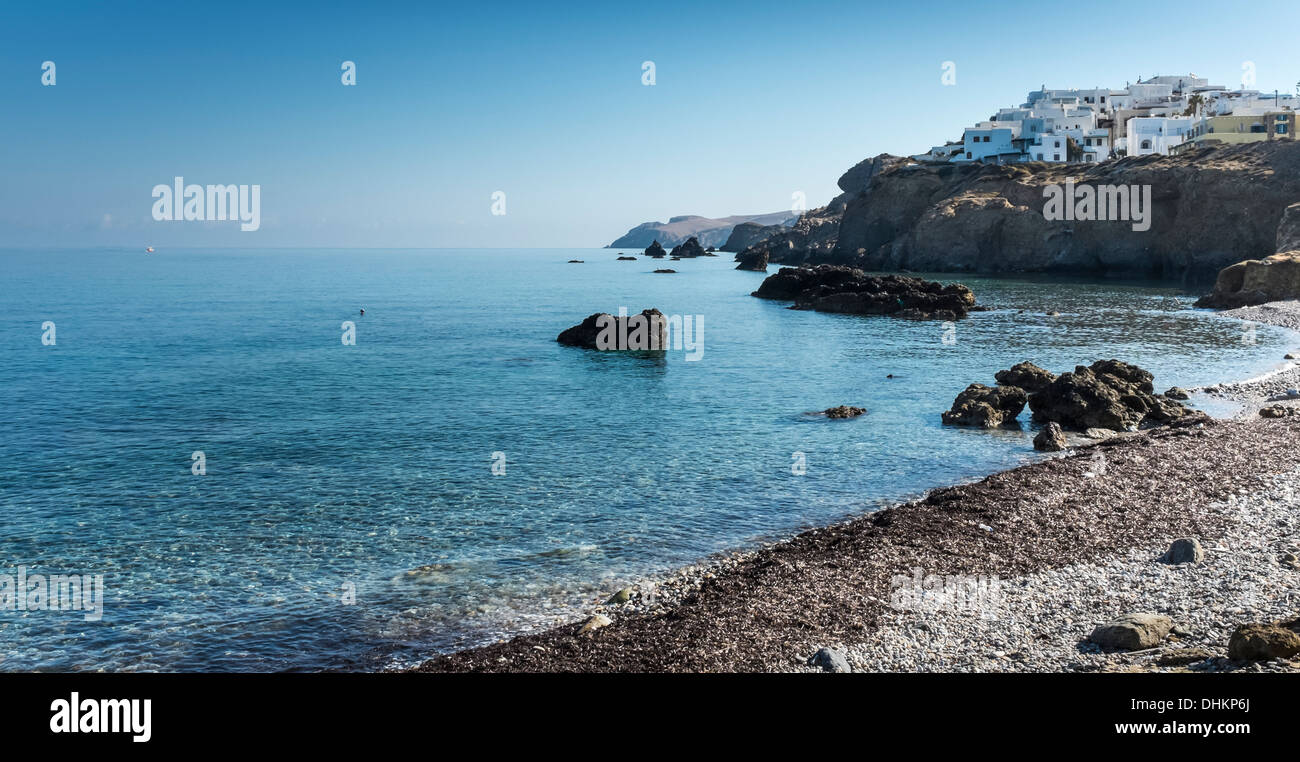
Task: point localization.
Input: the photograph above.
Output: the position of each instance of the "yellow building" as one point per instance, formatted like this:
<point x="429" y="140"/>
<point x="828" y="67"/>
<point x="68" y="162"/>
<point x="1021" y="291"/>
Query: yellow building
<point x="1243" y="128"/>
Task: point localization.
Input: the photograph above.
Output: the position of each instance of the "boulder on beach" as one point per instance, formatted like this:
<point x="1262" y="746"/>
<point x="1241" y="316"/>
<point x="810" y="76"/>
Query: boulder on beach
<point x="844" y="411"/>
<point x="647" y="331"/>
<point x="1132" y="632"/>
<point x="836" y="288"/>
<point x="1185" y="550"/>
<point x="691" y="248"/>
<point x="1051" y="438"/>
<point x="1108" y="394"/>
<point x="655" y="250"/>
<point x="753" y="260"/>
<point x="1276" y="411"/>
<point x="1262" y="642"/>
<point x="986" y="406"/>
<point x="595" y="623"/>
<point x="1025" y="375"/>
<point x="830" y="660"/>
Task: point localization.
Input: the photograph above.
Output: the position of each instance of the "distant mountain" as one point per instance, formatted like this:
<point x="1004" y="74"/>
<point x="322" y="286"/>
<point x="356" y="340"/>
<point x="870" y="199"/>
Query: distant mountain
<point x="709" y="231"/>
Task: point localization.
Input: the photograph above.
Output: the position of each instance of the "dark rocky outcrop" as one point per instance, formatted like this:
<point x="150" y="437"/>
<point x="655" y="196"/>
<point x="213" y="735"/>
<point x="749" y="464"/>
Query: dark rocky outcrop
<point x="1212" y="207"/>
<point x="1109" y="394"/>
<point x="575" y="262"/>
<point x="1051" y="438"/>
<point x="747" y="234"/>
<point x="627" y="259"/>
<point x="1027" y="376"/>
<point x="690" y="249"/>
<point x="655" y="250"/>
<point x="986" y="406"/>
<point x="1256" y="281"/>
<point x="647" y="331"/>
<point x="756" y="261"/>
<point x="834" y="288"/>
<point x="665" y="270"/>
<point x="844" y="411"/>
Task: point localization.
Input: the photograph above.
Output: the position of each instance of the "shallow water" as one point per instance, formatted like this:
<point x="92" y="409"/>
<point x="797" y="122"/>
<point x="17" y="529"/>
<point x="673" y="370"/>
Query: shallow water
<point x="369" y="468"/>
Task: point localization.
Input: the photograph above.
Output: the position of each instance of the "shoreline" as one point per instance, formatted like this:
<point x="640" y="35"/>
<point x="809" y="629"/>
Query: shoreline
<point x="1058" y="535"/>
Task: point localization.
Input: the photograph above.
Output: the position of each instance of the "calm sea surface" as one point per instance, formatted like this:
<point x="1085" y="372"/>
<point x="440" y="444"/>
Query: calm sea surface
<point x="350" y="516"/>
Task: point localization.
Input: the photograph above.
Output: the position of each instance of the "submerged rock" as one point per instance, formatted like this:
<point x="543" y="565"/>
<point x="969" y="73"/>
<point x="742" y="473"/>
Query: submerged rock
<point x="1109" y="394"/>
<point x="986" y="406"/>
<point x="655" y="250"/>
<point x="844" y="411"/>
<point x="1051" y="438"/>
<point x="1132" y="632"/>
<point x="647" y="331"/>
<point x="835" y="288"/>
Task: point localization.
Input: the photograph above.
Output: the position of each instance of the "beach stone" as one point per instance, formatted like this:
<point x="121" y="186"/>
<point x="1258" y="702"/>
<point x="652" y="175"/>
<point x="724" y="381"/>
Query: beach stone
<point x="1025" y="375"/>
<point x="1261" y="642"/>
<point x="1177" y="393"/>
<point x="1050" y="439"/>
<point x="1186" y="550"/>
<point x="595" y="623"/>
<point x="830" y="660"/>
<point x="1291" y="356"/>
<point x="1132" y="632"/>
<point x="1098" y="433"/>
<point x="619" y="598"/>
<point x="1183" y="656"/>
<point x="1291" y="561"/>
<point x="844" y="411"/>
<point x="986" y="406"/>
<point x="1275" y="411"/>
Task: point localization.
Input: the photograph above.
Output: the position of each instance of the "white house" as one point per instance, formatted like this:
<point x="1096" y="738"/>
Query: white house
<point x="1156" y="134"/>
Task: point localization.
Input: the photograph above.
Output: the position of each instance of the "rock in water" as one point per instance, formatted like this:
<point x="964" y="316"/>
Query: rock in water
<point x="844" y="411"/>
<point x="986" y="406"/>
<point x="647" y="331"/>
<point x="1109" y="394"/>
<point x="830" y="660"/>
<point x="1261" y="642"/>
<point x="627" y="259"/>
<point x="1027" y="376"/>
<point x="655" y="250"/>
<point x="1132" y="632"/>
<point x="1051" y="438"/>
<point x="1177" y="393"/>
<point x="753" y="260"/>
<point x="691" y="248"/>
<point x="836" y="288"/>
<point x="1186" y="550"/>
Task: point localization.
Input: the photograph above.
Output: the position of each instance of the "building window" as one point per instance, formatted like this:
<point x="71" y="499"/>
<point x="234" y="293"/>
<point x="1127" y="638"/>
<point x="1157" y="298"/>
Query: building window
<point x="1056" y="157"/>
<point x="1146" y="145"/>
<point x="1281" y="129"/>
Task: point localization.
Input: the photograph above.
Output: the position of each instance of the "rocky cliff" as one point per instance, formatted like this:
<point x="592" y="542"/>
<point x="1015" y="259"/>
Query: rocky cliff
<point x="1209" y="208"/>
<point x="1256" y="281"/>
<point x="710" y="231"/>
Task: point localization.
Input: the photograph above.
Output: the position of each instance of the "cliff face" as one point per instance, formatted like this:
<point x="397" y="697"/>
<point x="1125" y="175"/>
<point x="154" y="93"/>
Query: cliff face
<point x="1256" y="281"/>
<point x="710" y="231"/>
<point x="1209" y="208"/>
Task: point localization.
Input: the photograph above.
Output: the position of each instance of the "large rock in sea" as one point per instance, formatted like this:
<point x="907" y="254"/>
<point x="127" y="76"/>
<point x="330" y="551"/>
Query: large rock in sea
<point x="1109" y="394"/>
<point x="747" y="234"/>
<point x="647" y="331"/>
<point x="655" y="250"/>
<point x="835" y="288"/>
<point x="986" y="406"/>
<point x="752" y="260"/>
<point x="691" y="248"/>
<point x="1271" y="279"/>
<point x="1027" y="376"/>
<point x="1051" y="438"/>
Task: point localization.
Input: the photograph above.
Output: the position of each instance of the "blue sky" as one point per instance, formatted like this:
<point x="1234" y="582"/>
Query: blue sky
<point x="752" y="103"/>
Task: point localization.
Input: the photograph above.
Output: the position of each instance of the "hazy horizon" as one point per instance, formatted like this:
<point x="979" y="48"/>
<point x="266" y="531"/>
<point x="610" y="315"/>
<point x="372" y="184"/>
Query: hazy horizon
<point x="750" y="106"/>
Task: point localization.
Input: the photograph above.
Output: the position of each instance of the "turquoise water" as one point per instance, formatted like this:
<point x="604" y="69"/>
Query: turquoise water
<point x="369" y="468"/>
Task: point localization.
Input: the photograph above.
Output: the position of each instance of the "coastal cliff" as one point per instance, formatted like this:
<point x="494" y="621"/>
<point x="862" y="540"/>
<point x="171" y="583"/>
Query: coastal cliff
<point x="1209" y="208"/>
<point x="1256" y="281"/>
<point x="709" y="231"/>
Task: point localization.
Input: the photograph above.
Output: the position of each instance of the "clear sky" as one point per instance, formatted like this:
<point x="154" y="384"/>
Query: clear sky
<point x="751" y="103"/>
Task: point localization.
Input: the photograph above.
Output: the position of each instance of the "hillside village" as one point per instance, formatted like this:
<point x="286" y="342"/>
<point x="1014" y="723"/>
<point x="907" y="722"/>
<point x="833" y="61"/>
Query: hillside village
<point x="1160" y="115"/>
